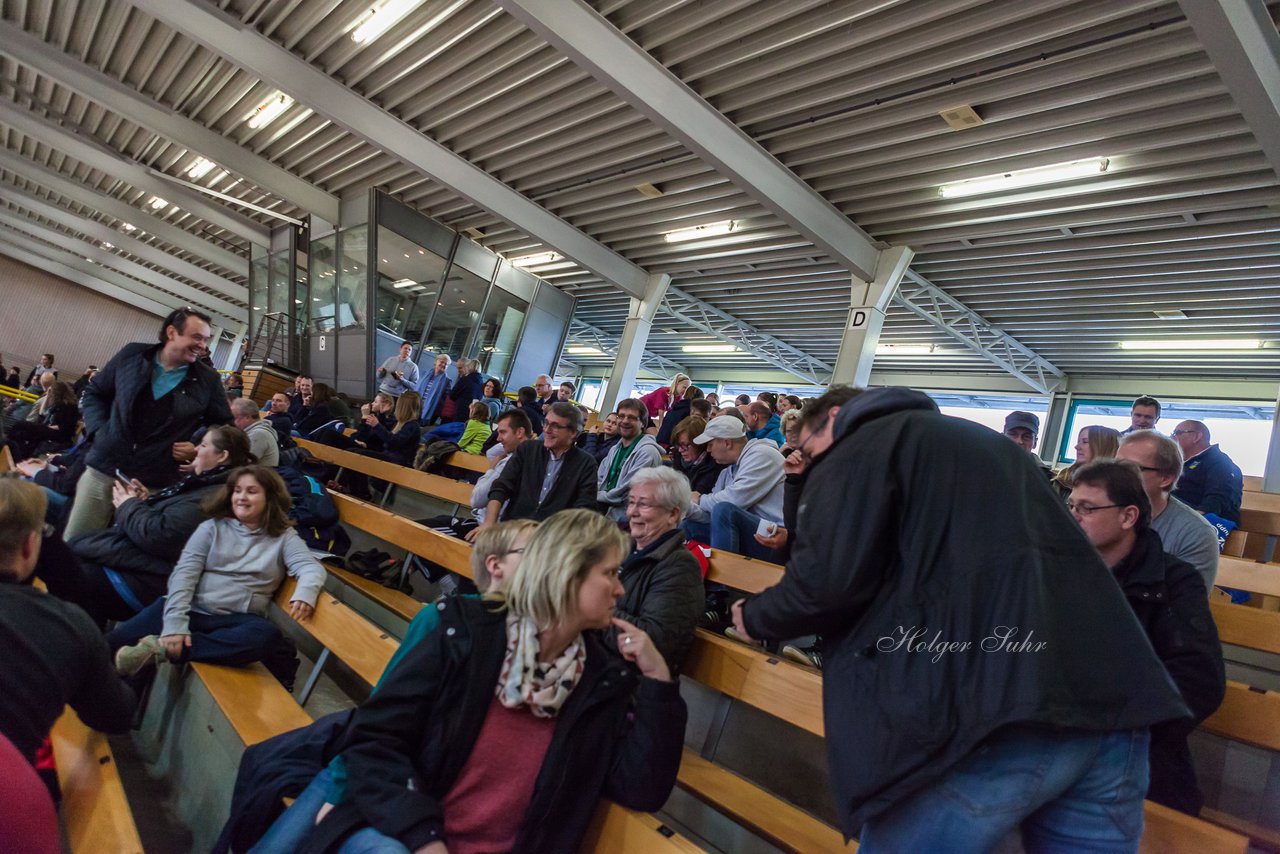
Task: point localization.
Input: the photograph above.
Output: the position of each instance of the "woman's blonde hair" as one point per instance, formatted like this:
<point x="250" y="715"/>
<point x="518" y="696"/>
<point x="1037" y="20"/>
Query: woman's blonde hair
<point x="675" y="382"/>
<point x="497" y="541"/>
<point x="556" y="560"/>
<point x="790" y="423"/>
<point x="408" y="408"/>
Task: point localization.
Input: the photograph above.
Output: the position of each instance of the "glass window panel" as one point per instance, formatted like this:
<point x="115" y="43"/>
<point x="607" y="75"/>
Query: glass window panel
<point x="499" y="331"/>
<point x="258" y="281"/>
<point x="457" y="312"/>
<point x="322" y="282"/>
<point x="408" y="285"/>
<point x="278" y="292"/>
<point x="351" y="294"/>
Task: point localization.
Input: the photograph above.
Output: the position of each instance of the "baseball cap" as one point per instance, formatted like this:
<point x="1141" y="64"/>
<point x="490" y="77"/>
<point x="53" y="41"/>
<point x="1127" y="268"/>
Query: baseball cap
<point x="724" y="427"/>
<point x="1022" y="419"/>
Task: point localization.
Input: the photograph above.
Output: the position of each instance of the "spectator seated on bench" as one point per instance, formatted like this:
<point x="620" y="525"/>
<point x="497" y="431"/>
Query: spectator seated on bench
<point x="692" y="460"/>
<point x="470" y="436"/>
<point x="382" y="410"/>
<point x="399" y="443"/>
<point x="1092" y="442"/>
<point x="279" y="418"/>
<point x="1168" y="597"/>
<point x="1211" y="482"/>
<point x="748" y="490"/>
<point x="53" y="427"/>
<point x="221" y="589"/>
<point x="662" y="580"/>
<point x="324" y="410"/>
<point x="764" y="423"/>
<point x="126" y="567"/>
<point x="528" y="403"/>
<point x="634" y="453"/>
<point x="494" y="398"/>
<point x="53" y="653"/>
<point x="476" y="735"/>
<point x="601" y="438"/>
<point x="264" y="444"/>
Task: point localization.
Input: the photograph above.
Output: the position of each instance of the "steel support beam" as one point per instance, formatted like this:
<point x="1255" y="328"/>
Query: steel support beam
<point x="127" y="102"/>
<point x="82" y="194"/>
<point x="179" y="292"/>
<point x="241" y="44"/>
<point x="135" y="247"/>
<point x="635" y="335"/>
<point x="724" y="326"/>
<point x="933" y="305"/>
<point x="102" y="281"/>
<point x="869" y="302"/>
<point x="1243" y="45"/>
<point x="586" y="335"/>
<point x="586" y="37"/>
<point x="97" y="156"/>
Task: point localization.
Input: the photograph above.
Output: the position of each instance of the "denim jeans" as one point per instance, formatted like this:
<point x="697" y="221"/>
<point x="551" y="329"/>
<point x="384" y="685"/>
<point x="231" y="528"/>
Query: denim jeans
<point x="1066" y="790"/>
<point x="731" y="529"/>
<point x="286" y="835"/>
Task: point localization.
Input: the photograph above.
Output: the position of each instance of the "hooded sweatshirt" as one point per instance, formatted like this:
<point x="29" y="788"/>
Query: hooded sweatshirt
<point x="753" y="483"/>
<point x="644" y="453"/>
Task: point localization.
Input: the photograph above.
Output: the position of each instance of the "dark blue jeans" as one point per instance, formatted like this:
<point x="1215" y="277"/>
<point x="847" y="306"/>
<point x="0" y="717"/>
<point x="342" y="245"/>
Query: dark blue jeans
<point x="234" y="639"/>
<point x="1065" y="790"/>
<point x="730" y="529"/>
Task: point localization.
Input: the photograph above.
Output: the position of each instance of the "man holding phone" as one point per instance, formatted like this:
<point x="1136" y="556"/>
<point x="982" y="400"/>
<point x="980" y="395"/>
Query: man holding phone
<point x="398" y="374"/>
<point x="148" y="399"/>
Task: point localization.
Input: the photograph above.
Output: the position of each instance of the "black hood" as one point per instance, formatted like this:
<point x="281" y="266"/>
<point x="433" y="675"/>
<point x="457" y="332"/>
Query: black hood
<point x="877" y="402"/>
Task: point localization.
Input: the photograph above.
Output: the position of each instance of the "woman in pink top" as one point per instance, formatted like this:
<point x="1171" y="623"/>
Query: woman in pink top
<point x="659" y="400"/>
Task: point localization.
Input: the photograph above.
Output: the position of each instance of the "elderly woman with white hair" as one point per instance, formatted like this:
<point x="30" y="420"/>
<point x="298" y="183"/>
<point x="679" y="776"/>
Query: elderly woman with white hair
<point x="662" y="579"/>
<point x="502" y="728"/>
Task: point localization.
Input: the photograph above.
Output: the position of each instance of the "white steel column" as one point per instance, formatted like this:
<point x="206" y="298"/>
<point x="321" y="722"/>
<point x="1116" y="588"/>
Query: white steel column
<point x="866" y="317"/>
<point x="635" y="336"/>
<point x="1271" y="474"/>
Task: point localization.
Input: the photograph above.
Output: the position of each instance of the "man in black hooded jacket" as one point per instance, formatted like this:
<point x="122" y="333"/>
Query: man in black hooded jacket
<point x="983" y="672"/>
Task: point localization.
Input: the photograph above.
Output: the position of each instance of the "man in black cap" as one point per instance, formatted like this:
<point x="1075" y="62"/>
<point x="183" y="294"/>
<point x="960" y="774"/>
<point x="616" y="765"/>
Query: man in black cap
<point x="1023" y="428"/>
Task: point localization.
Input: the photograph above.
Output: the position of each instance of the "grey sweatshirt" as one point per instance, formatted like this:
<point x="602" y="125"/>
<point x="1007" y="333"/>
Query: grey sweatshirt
<point x="264" y="442"/>
<point x="647" y="454"/>
<point x="753" y="483"/>
<point x="228" y="569"/>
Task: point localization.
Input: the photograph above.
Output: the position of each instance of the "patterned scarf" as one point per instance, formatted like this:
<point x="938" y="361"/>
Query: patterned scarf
<point x="526" y="682"/>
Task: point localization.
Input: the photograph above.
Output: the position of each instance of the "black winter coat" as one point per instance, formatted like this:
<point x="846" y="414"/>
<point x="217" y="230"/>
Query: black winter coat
<point x="1168" y="597"/>
<point x="618" y="736"/>
<point x="145" y="451"/>
<point x="598" y="445"/>
<point x="148" y="536"/>
<point x="664" y="596"/>
<point x="464" y="391"/>
<point x="521" y="482"/>
<point x="1212" y="483"/>
<point x="702" y="474"/>
<point x="914" y="522"/>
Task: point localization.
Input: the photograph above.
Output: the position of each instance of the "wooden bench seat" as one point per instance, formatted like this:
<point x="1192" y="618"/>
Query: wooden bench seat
<point x="454" y="491"/>
<point x="469" y="462"/>
<point x="95" y="812"/>
<point x="1250" y="575"/>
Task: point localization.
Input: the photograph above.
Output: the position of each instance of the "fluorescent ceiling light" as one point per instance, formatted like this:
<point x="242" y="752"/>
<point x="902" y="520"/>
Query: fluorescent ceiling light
<point x="403" y="283"/>
<point x="1194" y="344"/>
<point x="1025" y="178"/>
<point x="709" y="348"/>
<point x="203" y="166"/>
<point x="536" y="260"/>
<point x="106" y="245"/>
<point x="157" y="203"/>
<point x="904" y="349"/>
<point x="585" y="351"/>
<point x="126" y="226"/>
<point x="270" y="109"/>
<point x="713" y="229"/>
<point x="380" y="18"/>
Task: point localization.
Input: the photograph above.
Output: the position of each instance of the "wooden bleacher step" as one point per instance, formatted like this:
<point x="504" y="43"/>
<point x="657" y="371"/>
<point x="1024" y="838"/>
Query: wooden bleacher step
<point x="95" y="811"/>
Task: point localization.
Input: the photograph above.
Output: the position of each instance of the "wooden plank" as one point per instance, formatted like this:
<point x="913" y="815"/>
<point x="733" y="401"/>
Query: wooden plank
<point x="6" y="460"/>
<point x="1252" y="483"/>
<point x="470" y="462"/>
<point x="450" y="552"/>
<point x="394" y="601"/>
<point x="95" y="812"/>
<point x="742" y="573"/>
<point x="1247" y="715"/>
<point x="419" y="481"/>
<point x="355" y="641"/>
<point x="1266" y="838"/>
<point x="785" y="690"/>
<point x="782" y="824"/>
<point x="1248" y="575"/>
<point x="256" y="705"/>
<point x="1168" y="831"/>
<point x="1264" y="502"/>
<point x="1247" y="627"/>
<point x="614" y="828"/>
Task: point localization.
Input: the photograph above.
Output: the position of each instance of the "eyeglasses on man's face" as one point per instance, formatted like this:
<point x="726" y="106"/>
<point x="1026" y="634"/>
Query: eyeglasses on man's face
<point x="1085" y="509"/>
<point x="554" y="425"/>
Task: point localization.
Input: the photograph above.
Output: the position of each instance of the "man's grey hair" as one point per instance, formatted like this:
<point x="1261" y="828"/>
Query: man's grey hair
<point x="246" y="407"/>
<point x="670" y="488"/>
<point x="1168" y="452"/>
<point x="569" y="413"/>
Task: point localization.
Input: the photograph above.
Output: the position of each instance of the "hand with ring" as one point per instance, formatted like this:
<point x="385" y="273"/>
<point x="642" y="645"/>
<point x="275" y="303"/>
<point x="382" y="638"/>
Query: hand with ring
<point x="637" y="647"/>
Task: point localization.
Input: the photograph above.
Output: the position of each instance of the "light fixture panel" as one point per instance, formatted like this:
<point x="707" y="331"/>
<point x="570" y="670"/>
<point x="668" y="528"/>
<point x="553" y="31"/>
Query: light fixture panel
<point x="961" y="117"/>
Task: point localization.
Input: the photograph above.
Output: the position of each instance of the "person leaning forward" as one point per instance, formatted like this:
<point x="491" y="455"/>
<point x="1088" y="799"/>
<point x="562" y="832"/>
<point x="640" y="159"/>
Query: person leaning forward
<point x="983" y="672"/>
<point x="146" y="400"/>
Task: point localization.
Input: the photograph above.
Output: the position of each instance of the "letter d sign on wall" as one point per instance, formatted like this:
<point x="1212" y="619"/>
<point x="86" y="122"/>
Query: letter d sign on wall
<point x="860" y="318"/>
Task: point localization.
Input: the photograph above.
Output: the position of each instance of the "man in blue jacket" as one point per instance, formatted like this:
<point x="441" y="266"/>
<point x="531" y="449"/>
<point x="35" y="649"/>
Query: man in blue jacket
<point x="148" y="398"/>
<point x="1211" y="482"/>
<point x="764" y="423"/>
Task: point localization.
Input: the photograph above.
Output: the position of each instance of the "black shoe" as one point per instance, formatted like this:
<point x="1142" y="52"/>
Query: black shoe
<point x="810" y="656"/>
<point x="715" y="621"/>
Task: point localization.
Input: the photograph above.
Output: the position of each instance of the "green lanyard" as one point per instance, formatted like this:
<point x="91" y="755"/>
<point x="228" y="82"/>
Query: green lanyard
<point x="615" y="468"/>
